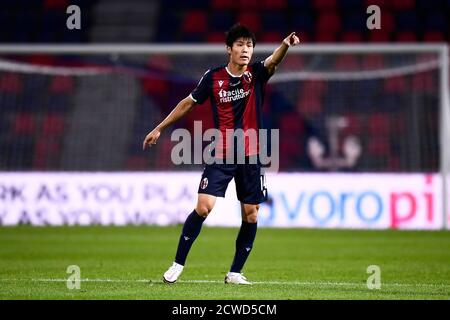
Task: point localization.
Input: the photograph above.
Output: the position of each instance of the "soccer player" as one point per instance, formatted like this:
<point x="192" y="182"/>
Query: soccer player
<point x="236" y="92"/>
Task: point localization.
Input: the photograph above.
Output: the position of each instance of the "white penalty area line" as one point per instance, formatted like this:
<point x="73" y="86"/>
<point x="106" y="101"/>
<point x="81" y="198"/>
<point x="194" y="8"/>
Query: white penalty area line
<point x="292" y="283"/>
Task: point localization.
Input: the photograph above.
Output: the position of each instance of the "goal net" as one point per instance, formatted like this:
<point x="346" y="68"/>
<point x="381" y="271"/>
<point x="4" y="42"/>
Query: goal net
<point x="353" y="109"/>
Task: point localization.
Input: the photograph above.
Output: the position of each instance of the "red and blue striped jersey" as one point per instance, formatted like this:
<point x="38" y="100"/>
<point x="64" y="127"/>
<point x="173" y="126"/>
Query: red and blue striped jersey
<point x="236" y="101"/>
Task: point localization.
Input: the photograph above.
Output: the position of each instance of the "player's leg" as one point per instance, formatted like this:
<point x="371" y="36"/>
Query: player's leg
<point x="213" y="183"/>
<point x="251" y="191"/>
<point x="191" y="229"/>
<point x="244" y="243"/>
<point x="193" y="225"/>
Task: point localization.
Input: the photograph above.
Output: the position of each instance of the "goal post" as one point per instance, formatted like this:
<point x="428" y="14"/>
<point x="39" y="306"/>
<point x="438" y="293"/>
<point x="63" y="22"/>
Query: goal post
<point x="445" y="131"/>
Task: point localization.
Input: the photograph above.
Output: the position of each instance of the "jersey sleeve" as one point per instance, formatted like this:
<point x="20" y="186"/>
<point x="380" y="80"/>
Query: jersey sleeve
<point x="203" y="89"/>
<point x="261" y="71"/>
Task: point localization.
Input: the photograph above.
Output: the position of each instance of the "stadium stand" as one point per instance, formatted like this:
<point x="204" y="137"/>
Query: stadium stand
<point x="148" y="21"/>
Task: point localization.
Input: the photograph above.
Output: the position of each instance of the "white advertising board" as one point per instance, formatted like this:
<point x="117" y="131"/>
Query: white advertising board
<point x="366" y="201"/>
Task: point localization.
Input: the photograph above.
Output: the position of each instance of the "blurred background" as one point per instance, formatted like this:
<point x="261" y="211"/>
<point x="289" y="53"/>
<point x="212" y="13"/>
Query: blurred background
<point x="379" y="109"/>
<point x="364" y="123"/>
<point x="318" y="21"/>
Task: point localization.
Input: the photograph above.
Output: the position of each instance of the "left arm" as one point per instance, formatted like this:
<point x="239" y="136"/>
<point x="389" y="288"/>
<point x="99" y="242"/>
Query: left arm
<point x="277" y="56"/>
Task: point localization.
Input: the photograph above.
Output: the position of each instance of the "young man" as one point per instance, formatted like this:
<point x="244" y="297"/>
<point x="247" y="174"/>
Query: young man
<point x="236" y="92"/>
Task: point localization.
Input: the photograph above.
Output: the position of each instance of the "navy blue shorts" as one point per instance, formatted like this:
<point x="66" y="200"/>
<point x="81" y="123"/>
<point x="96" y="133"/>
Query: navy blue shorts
<point x="249" y="179"/>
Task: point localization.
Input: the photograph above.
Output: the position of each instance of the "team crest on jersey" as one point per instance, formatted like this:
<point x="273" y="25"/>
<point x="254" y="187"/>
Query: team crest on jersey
<point x="204" y="183"/>
<point x="247" y="76"/>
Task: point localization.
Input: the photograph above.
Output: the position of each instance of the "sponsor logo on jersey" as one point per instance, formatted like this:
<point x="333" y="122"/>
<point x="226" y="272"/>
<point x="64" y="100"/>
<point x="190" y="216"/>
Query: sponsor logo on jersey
<point x="232" y="95"/>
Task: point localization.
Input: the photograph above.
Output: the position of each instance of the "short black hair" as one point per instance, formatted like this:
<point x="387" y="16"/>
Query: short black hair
<point x="239" y="31"/>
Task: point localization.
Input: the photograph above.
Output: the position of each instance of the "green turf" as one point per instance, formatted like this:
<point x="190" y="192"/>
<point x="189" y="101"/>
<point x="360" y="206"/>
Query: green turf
<point x="285" y="263"/>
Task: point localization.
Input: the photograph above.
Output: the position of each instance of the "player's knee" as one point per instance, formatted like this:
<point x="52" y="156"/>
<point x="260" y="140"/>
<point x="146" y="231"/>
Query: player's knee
<point x="252" y="218"/>
<point x="204" y="209"/>
<point x="251" y="214"/>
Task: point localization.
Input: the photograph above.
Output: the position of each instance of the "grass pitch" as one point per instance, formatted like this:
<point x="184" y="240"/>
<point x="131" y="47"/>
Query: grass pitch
<point x="128" y="263"/>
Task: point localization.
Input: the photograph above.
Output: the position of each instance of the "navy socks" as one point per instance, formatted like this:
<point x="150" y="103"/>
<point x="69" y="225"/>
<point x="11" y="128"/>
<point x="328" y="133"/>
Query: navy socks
<point x="191" y="230"/>
<point x="244" y="244"/>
